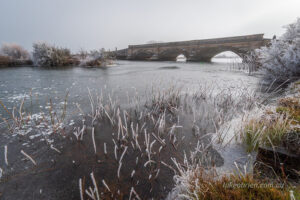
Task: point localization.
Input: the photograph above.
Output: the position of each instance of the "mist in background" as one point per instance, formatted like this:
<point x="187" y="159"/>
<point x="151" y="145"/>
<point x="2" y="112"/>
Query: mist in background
<point x="92" y="24"/>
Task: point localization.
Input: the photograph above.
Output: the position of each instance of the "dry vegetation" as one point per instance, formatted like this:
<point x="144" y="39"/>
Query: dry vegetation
<point x="198" y="181"/>
<point x="269" y="130"/>
<point x="139" y="148"/>
<point x="94" y="58"/>
<point x="206" y="185"/>
<point x="144" y="144"/>
<point x="277" y="127"/>
<point x="51" y="56"/>
<point x="14" y="51"/>
<point x="13" y="54"/>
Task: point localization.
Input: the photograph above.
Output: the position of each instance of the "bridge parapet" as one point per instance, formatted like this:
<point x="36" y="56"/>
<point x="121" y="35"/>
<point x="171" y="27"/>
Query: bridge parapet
<point x="256" y="37"/>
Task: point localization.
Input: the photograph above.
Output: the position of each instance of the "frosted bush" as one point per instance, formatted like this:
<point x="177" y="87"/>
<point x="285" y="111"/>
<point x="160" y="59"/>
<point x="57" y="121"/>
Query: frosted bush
<point x="48" y="55"/>
<point x="14" y="51"/>
<point x="94" y="58"/>
<point x="82" y="54"/>
<point x="281" y="59"/>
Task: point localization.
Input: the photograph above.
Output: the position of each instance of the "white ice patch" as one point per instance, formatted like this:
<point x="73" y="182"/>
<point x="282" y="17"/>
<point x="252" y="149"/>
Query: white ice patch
<point x="18" y="97"/>
<point x="230" y="147"/>
<point x="38" y="125"/>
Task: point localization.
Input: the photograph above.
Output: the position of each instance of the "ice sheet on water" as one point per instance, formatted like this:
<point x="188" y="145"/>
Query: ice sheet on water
<point x="230" y="148"/>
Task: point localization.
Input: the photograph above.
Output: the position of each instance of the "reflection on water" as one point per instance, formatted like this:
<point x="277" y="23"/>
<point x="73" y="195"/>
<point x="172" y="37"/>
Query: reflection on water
<point x="39" y="85"/>
<point x="227" y="60"/>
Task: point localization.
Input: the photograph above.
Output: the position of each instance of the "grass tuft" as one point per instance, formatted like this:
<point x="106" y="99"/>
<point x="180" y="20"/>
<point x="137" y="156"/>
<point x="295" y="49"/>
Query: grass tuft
<point x="273" y="128"/>
<point x="266" y="131"/>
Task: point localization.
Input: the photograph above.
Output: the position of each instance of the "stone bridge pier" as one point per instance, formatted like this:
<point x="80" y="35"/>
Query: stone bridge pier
<point x="194" y="50"/>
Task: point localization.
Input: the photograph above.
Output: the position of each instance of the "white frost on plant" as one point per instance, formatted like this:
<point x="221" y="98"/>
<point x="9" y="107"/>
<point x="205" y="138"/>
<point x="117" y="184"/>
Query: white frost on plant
<point x="1" y="173"/>
<point x="48" y="55"/>
<point x="281" y="59"/>
<point x="14" y="51"/>
<point x="92" y="58"/>
<point x="186" y="178"/>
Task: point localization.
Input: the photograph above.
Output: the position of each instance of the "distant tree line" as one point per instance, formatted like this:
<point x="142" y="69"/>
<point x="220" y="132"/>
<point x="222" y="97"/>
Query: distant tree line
<point x="50" y="55"/>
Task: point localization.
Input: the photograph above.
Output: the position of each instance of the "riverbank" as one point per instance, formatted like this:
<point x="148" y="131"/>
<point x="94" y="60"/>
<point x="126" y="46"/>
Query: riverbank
<point x="46" y="55"/>
<point x="6" y="62"/>
<point x="269" y="132"/>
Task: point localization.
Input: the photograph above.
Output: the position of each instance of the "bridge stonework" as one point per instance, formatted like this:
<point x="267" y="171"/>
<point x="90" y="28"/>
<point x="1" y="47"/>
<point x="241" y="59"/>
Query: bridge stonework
<point x="193" y="50"/>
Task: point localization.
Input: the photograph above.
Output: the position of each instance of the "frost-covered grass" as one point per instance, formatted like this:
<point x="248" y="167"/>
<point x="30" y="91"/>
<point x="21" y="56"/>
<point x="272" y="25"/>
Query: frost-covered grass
<point x="21" y="121"/>
<point x="207" y="185"/>
<point x="274" y="127"/>
<point x="269" y="130"/>
<point x="141" y="146"/>
<point x="198" y="181"/>
<point x="135" y="150"/>
<point x="277" y="126"/>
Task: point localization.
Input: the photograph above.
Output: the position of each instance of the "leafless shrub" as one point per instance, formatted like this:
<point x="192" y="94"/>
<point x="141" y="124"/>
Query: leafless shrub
<point x="281" y="59"/>
<point x="82" y="54"/>
<point x="48" y="55"/>
<point x="14" y="51"/>
<point x="93" y="58"/>
<point x="252" y="61"/>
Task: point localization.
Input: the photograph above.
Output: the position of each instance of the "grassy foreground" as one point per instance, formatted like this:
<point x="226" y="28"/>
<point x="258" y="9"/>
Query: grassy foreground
<point x="276" y="127"/>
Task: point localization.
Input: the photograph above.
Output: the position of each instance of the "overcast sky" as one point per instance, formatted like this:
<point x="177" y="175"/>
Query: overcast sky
<point x="92" y="24"/>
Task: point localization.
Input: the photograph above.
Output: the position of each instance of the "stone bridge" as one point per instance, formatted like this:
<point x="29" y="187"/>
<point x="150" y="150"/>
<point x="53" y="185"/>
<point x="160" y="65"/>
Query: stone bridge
<point x="193" y="50"/>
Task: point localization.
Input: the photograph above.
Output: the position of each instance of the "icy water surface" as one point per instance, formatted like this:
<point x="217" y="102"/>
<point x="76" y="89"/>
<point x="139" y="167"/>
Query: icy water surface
<point x="17" y="82"/>
<point x="124" y="135"/>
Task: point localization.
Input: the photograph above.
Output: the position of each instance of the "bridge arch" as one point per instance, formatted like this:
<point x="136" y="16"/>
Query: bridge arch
<point x="181" y="58"/>
<point x="207" y="54"/>
<point x="238" y="52"/>
<point x="231" y="55"/>
<point x="172" y="54"/>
